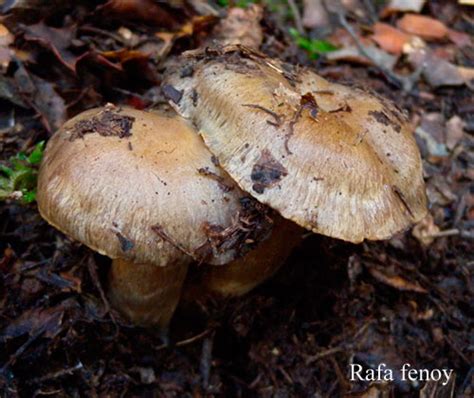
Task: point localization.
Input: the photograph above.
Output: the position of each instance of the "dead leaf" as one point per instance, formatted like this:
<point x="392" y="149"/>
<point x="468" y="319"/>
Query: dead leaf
<point x="433" y="123"/>
<point x="315" y="15"/>
<point x="42" y="97"/>
<point x="431" y="149"/>
<point x="461" y="39"/>
<point x="426" y="230"/>
<point x="389" y="38"/>
<point x="57" y="40"/>
<point x="9" y="91"/>
<point x="467" y="74"/>
<point x="396" y="281"/>
<point x="437" y="71"/>
<point x="395" y="6"/>
<point x="204" y="8"/>
<point x="352" y="54"/>
<point x="454" y="131"/>
<point x="342" y="38"/>
<point x="6" y="54"/>
<point x="148" y="11"/>
<point x="12" y="5"/>
<point x="64" y="281"/>
<point x="124" y="55"/>
<point x="425" y="27"/>
<point x="194" y="27"/>
<point x="439" y="192"/>
<point x="240" y="26"/>
<point x="439" y="389"/>
<point x="6" y="38"/>
<point x="37" y="320"/>
<point x="373" y="346"/>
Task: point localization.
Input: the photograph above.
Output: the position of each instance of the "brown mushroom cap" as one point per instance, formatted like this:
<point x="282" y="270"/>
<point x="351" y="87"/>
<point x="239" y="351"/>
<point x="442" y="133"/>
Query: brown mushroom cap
<point x="141" y="186"/>
<point x="336" y="160"/>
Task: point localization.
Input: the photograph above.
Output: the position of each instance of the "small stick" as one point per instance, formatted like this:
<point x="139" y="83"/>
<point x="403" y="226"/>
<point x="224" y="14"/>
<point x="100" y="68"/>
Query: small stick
<point x="296" y="14"/>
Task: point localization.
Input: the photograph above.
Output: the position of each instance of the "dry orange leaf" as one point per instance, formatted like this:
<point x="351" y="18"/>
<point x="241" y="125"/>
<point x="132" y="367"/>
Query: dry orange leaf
<point x="396" y="281"/>
<point x="389" y="38"/>
<point x="6" y="37"/>
<point x="426" y="27"/>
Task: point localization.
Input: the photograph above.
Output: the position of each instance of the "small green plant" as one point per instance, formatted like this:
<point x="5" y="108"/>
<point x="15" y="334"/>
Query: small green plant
<point x="18" y="180"/>
<point x="314" y="47"/>
<point x="236" y="3"/>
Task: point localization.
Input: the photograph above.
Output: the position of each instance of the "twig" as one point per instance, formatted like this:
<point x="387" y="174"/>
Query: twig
<point x="276" y="116"/>
<point x="91" y="29"/>
<point x="55" y="375"/>
<point x="446" y="232"/>
<point x="296" y="14"/>
<point x="368" y="4"/>
<point x="194" y="338"/>
<point x="186" y="341"/>
<point x="324" y="354"/>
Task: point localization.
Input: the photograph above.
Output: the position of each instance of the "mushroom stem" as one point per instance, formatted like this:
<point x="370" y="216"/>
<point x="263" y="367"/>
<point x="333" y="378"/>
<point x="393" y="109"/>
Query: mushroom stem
<point x="147" y="294"/>
<point x="242" y="275"/>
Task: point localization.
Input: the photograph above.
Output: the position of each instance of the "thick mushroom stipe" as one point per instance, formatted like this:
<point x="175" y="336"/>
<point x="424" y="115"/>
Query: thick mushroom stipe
<point x="133" y="289"/>
<point x="338" y="161"/>
<point x="244" y="274"/>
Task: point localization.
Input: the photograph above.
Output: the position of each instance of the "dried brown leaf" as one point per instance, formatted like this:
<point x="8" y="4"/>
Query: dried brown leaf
<point x="147" y="11"/>
<point x="454" y="131"/>
<point x="57" y="40"/>
<point x="425" y="27"/>
<point x="396" y="281"/>
<point x="42" y="97"/>
<point x="389" y="38"/>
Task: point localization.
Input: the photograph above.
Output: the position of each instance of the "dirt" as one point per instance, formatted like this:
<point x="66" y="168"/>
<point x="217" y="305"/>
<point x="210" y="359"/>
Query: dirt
<point x="266" y="172"/>
<point x="252" y="225"/>
<point x="224" y="185"/>
<point x="108" y="123"/>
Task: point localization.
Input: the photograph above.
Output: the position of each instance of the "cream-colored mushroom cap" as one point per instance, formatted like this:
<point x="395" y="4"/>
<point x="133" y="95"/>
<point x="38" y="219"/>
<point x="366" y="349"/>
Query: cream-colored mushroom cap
<point x="142" y="186"/>
<point x="336" y="160"/>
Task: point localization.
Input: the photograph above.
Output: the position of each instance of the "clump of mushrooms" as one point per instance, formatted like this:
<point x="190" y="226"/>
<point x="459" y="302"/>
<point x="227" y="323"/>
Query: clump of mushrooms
<point x="142" y="189"/>
<point x="336" y="160"/>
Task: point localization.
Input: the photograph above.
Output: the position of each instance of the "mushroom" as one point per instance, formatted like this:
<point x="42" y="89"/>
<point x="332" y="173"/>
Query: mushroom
<point x="242" y="275"/>
<point x="336" y="160"/>
<point x="142" y="189"/>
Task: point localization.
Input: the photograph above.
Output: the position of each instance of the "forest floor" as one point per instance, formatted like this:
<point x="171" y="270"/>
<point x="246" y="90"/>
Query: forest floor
<point x="406" y="300"/>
